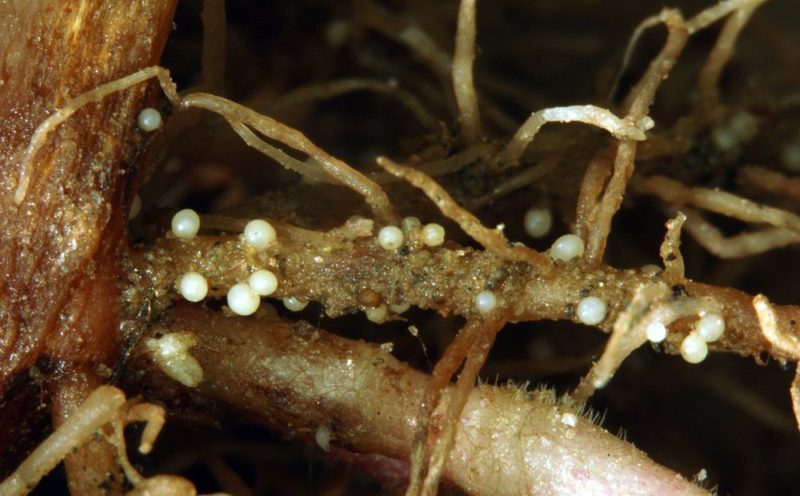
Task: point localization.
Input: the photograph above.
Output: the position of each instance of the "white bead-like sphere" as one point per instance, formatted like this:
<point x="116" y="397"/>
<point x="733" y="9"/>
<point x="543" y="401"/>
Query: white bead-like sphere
<point x="656" y="332"/>
<point x="538" y="222"/>
<point x="294" y="304"/>
<point x="566" y="248"/>
<point x="185" y="224"/>
<point x="433" y="234"/>
<point x="710" y="327"/>
<point x="263" y="282"/>
<point x="242" y="300"/>
<point x="694" y="348"/>
<point x="377" y="314"/>
<point x="592" y="310"/>
<point x="390" y="238"/>
<point x="259" y="234"/>
<point x="485" y="301"/>
<point x="149" y="119"/>
<point x="193" y="286"/>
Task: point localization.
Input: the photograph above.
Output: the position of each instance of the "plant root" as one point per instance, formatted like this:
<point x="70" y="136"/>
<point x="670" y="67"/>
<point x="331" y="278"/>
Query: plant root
<point x="491" y="239"/>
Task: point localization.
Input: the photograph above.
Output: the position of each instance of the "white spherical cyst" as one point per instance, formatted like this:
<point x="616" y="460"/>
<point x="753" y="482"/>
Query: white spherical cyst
<point x="263" y="282"/>
<point x="485" y="301"/>
<point x="566" y="248"/>
<point x="710" y="327"/>
<point x="185" y="224"/>
<point x="294" y="304"/>
<point x="390" y="238"/>
<point x="592" y="310"/>
<point x="242" y="300"/>
<point x="656" y="332"/>
<point x="538" y="222"/>
<point x="149" y="120"/>
<point x="259" y="234"/>
<point x="790" y="157"/>
<point x="377" y="314"/>
<point x="694" y="348"/>
<point x="193" y="286"/>
<point x="433" y="234"/>
<point x="651" y="270"/>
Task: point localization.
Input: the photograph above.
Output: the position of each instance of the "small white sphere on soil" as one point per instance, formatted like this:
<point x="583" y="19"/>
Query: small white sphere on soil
<point x="567" y="247"/>
<point x="656" y="332"/>
<point x="242" y="300"/>
<point x="485" y="301"/>
<point x="259" y="234"/>
<point x="185" y="224"/>
<point x="592" y="310"/>
<point x="694" y="348"/>
<point x="433" y="234"/>
<point x="263" y="282"/>
<point x="294" y="304"/>
<point x="149" y="119"/>
<point x="538" y="222"/>
<point x="193" y="286"/>
<point x="710" y="327"/>
<point x="390" y="238"/>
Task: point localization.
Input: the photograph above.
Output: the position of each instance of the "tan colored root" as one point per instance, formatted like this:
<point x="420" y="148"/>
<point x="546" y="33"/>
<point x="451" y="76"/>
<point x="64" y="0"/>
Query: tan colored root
<point x="234" y="113"/>
<point x="740" y="245"/>
<point x="794" y="392"/>
<point x="449" y="423"/>
<point x="332" y="89"/>
<point x="94" y="95"/>
<point x="491" y="239"/>
<point x="712" y="14"/>
<point x="670" y="251"/>
<point x="717" y="201"/>
<point x="784" y="341"/>
<point x="651" y="303"/>
<point x="100" y="408"/>
<point x="451" y="360"/>
<point x="449" y="165"/>
<point x="638" y="104"/>
<point x="588" y="114"/>
<point x="463" y="85"/>
<point x="769" y="180"/>
<point x="310" y="172"/>
<point x="708" y="83"/>
<point x="594" y="180"/>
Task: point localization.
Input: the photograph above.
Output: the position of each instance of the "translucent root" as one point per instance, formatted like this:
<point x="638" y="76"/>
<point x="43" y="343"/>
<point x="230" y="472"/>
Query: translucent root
<point x="670" y="251"/>
<point x="513" y="183"/>
<point x="708" y="83"/>
<point x="491" y="239"/>
<point x="94" y="95"/>
<point x="463" y="85"/>
<point x="470" y="338"/>
<point x="740" y="245"/>
<point x="783" y="341"/>
<point x="769" y="180"/>
<point x="720" y="202"/>
<point x="408" y="34"/>
<point x="588" y="114"/>
<point x="333" y="89"/>
<point x="234" y="113"/>
<point x="640" y="29"/>
<point x="650" y="304"/>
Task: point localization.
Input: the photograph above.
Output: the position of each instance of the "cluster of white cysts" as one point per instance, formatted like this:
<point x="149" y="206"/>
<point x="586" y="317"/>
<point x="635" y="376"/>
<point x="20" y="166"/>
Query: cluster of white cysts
<point x="694" y="347"/>
<point x="243" y="298"/>
<point x="392" y="237"/>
